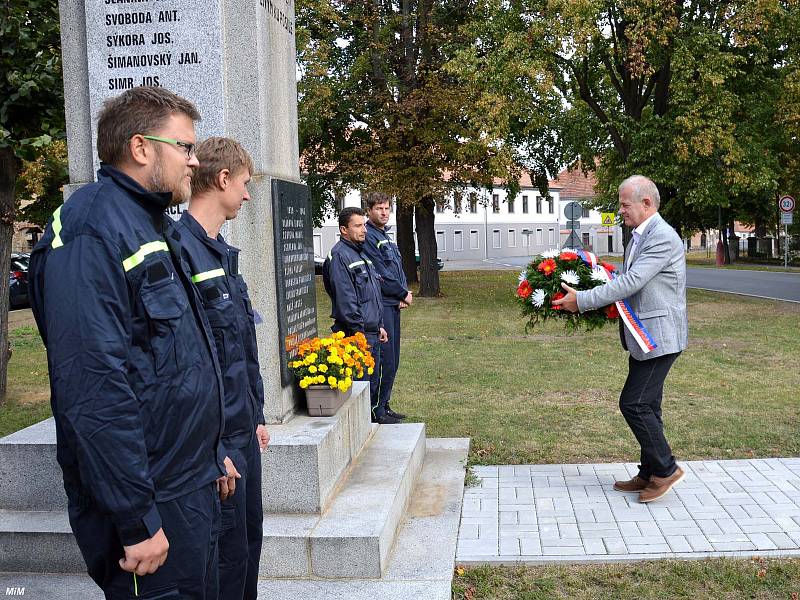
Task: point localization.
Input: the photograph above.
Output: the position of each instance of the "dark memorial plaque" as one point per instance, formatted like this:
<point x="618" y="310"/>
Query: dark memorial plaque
<point x="294" y="269"/>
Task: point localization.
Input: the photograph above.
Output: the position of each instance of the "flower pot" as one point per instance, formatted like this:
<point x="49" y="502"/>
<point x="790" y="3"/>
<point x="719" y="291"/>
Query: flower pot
<point x="323" y="401"/>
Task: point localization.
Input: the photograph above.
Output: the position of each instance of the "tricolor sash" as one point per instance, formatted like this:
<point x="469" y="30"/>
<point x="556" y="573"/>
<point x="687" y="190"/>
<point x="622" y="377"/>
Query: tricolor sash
<point x="626" y="313"/>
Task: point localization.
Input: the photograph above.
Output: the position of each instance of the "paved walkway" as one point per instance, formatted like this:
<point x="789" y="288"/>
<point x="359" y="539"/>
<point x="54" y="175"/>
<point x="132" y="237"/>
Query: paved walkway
<point x="570" y="513"/>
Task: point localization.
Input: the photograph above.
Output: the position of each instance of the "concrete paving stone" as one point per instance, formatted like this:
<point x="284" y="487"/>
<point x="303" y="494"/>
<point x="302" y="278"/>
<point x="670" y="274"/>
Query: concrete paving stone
<point x="586" y="470"/>
<point x="564" y="519"/>
<point x="568" y="530"/>
<point x="727" y="538"/>
<point x="550" y="492"/>
<point x="579" y="480"/>
<point x="604" y="516"/>
<point x="530" y="547"/>
<point x="795" y="536"/>
<point x="661" y="513"/>
<point x="478" y="520"/>
<point x="629" y="528"/>
<point x="650" y="549"/>
<point x="782" y="541"/>
<point x="522" y="470"/>
<point x="733" y="546"/>
<point x="524" y="495"/>
<point x="516" y="507"/>
<point x="556" y="481"/>
<point x="563" y="551"/>
<point x="509" y="517"/>
<point x="470" y="504"/>
<point x="517" y="529"/>
<point x="481" y="514"/>
<point x="527" y="517"/>
<point x="762" y="541"/>
<point x="699" y="543"/>
<point x="480" y="493"/>
<point x="754" y="511"/>
<point x="709" y="527"/>
<point x="510" y="546"/>
<point x="759" y="526"/>
<point x="478" y="547"/>
<point x="787" y="524"/>
<point x="631" y="541"/>
<point x="678" y="543"/>
<point x="584" y="515"/>
<point x="488" y="531"/>
<point x="649" y="528"/>
<point x="548" y="542"/>
<point x="782" y="510"/>
<point x="484" y="470"/>
<point x="594" y="546"/>
<point x="615" y="545"/>
<point x="728" y="525"/>
<point x="605" y="533"/>
<point x="623" y="516"/>
<point x="570" y="470"/>
<point x="468" y="532"/>
<point x="584" y="527"/>
<point x="735" y="498"/>
<point x="737" y="512"/>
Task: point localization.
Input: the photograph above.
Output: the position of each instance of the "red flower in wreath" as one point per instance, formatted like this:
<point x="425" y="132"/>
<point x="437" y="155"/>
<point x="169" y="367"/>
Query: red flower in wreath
<point x="557" y="296"/>
<point x="608" y="267"/>
<point x="524" y="290"/>
<point x="547" y="267"/>
<point x="612" y="312"/>
<point x="567" y="255"/>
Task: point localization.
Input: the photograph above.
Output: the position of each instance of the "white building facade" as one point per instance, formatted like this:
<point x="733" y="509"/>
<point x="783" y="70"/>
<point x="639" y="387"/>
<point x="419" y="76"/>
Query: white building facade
<point x="477" y="224"/>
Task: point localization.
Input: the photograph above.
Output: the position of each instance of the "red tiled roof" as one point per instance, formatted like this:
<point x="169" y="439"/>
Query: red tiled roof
<point x="574" y="184"/>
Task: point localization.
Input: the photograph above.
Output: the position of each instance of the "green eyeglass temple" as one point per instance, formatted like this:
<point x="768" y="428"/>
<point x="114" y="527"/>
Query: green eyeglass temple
<point x="189" y="147"/>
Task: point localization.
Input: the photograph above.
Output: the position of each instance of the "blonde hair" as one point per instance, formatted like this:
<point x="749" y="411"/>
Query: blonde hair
<point x="216" y="154"/>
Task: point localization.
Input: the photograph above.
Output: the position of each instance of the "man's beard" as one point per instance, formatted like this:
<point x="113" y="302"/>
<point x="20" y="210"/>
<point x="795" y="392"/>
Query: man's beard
<point x="157" y="183"/>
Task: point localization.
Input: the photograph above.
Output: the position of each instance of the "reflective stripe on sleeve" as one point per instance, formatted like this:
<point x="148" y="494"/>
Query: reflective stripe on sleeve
<point x="208" y="275"/>
<point x="145" y="249"/>
<point x="355" y="264"/>
<point x="57" y="243"/>
<point x="382" y="242"/>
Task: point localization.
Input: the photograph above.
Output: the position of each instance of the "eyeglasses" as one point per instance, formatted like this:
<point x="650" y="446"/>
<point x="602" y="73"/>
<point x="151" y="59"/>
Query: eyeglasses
<point x="189" y="147"/>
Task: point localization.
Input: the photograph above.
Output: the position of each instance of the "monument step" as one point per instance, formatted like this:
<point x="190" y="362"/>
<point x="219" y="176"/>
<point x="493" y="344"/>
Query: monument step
<point x="302" y="467"/>
<point x="420" y="565"/>
<point x="352" y="539"/>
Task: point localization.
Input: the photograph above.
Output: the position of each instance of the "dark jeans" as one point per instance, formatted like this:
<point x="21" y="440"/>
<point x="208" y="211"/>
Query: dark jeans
<point x="191" y="524"/>
<point x="375" y="379"/>
<point x="241" y="532"/>
<point x="640" y="404"/>
<point x="390" y="353"/>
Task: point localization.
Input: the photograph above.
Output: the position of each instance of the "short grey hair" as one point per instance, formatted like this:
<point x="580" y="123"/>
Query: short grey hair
<point x="642" y="187"/>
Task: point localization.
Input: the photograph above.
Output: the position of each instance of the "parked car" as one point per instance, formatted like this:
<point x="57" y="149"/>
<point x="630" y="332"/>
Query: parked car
<point x="439" y="263"/>
<point x="18" y="281"/>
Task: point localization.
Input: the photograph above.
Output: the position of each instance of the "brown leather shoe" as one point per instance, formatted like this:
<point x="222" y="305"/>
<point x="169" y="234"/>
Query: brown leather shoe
<point x="660" y="486"/>
<point x="637" y="484"/>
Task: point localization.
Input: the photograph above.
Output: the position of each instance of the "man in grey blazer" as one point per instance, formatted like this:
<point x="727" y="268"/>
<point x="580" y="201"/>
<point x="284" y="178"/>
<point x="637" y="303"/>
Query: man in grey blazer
<point x="653" y="280"/>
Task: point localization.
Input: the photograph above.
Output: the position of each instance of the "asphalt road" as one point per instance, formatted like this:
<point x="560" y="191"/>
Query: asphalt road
<point x="762" y="284"/>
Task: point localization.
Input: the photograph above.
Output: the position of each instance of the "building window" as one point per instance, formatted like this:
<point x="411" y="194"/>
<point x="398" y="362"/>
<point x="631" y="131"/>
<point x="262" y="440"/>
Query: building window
<point x="550" y="205"/>
<point x="441" y="243"/>
<point x="496" y="238"/>
<point x="525" y="205"/>
<point x="511" y="205"/>
<point x="439" y="206"/>
<point x="512" y="238"/>
<point x="457" y="204"/>
<point x="539" y="239"/>
<point x="551" y="237"/>
<point x="473" y="204"/>
<point x="585" y="240"/>
<point x="610" y="243"/>
<point x="538" y="205"/>
<point x="317" y="245"/>
<point x="495" y="203"/>
<point x="458" y="241"/>
<point x="585" y="214"/>
<point x="474" y="240"/>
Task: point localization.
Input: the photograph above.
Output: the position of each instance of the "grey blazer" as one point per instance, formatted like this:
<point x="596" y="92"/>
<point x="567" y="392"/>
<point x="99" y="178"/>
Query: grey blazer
<point x="653" y="281"/>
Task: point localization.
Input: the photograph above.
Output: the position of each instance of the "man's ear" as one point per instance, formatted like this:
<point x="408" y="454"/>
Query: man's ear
<point x="223" y="179"/>
<point x="140" y="153"/>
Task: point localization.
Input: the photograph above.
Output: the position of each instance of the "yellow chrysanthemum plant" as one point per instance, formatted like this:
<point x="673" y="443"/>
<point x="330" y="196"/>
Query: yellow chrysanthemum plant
<point x="335" y="361"/>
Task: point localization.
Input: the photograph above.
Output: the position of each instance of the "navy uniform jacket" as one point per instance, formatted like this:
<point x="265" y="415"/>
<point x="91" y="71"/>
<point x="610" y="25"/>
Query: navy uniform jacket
<point x="215" y="272"/>
<point x="388" y="263"/>
<point x="136" y="390"/>
<point x="352" y="283"/>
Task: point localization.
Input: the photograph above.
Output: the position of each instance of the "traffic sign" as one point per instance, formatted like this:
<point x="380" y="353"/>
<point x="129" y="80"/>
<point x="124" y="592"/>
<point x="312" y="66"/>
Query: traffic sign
<point x="608" y="219"/>
<point x="786" y="218"/>
<point x="573" y="241"/>
<point x="573" y="211"/>
<point x="786" y="204"/>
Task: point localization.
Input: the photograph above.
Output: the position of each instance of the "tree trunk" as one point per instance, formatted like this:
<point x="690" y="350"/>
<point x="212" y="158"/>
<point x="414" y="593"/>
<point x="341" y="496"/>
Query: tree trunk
<point x="8" y="178"/>
<point x="405" y="239"/>
<point x="426" y="238"/>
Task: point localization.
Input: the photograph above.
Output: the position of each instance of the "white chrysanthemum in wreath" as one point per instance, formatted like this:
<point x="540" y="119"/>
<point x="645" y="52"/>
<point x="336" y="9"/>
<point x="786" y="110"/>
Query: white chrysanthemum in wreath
<point x="551" y="253"/>
<point x="537" y="298"/>
<point x="599" y="274"/>
<point x="570" y="277"/>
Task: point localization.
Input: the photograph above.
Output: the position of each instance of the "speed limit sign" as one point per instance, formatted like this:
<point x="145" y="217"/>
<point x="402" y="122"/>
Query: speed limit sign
<point x="786" y="204"/>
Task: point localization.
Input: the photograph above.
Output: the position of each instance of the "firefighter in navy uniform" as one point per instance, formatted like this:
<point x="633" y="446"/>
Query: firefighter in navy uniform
<point x="356" y="304"/>
<point x="136" y="389"/>
<point x="219" y="188"/>
<point x="394" y="289"/>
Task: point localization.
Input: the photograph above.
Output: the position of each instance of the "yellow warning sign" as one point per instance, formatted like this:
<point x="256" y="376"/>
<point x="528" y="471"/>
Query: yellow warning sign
<point x="608" y="219"/>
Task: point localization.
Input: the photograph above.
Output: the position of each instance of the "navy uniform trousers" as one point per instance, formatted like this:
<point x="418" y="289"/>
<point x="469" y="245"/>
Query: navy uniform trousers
<point x="390" y="354"/>
<point x="191" y="524"/>
<point x="375" y="348"/>
<point x="241" y="531"/>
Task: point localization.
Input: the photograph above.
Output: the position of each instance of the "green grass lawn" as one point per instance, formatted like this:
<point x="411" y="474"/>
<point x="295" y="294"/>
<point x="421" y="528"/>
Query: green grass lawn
<point x="28" y="398"/>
